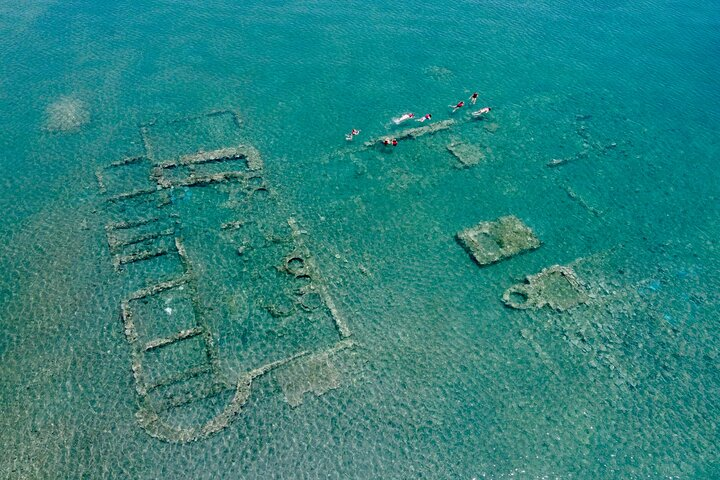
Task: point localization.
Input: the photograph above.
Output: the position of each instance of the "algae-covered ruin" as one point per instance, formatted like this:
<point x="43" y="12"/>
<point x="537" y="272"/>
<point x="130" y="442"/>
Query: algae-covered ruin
<point x="467" y="155"/>
<point x="180" y="224"/>
<point x="415" y="132"/>
<point x="491" y="242"/>
<point x="557" y="287"/>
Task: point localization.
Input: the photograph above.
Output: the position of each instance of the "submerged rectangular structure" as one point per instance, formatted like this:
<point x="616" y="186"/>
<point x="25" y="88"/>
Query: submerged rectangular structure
<point x="491" y="242"/>
<point x="220" y="287"/>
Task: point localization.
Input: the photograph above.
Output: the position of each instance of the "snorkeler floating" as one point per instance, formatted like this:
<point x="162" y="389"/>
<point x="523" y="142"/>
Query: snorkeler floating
<point x="426" y="117"/>
<point x="403" y="117"/>
<point x="473" y="98"/>
<point x="455" y="107"/>
<point x="481" y="112"/>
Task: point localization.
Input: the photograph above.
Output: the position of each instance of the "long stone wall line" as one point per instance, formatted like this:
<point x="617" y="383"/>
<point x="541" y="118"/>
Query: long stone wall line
<point x="120" y="260"/>
<point x="415" y="132"/>
<point x="340" y="323"/>
<point x="160" y="287"/>
<point x="116" y="244"/>
<point x="132" y="194"/>
<point x="166" y="404"/>
<point x="130" y="224"/>
<point x="181" y="335"/>
<point x="179" y="377"/>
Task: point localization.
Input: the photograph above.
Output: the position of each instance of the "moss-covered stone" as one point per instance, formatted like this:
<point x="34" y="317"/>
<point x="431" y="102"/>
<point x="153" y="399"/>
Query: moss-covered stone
<point x="491" y="242"/>
<point x="556" y="287"/>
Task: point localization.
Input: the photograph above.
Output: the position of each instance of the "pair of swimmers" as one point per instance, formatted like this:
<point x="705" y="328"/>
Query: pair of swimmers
<point x="402" y="118"/>
<point x="408" y="116"/>
<point x="473" y="98"/>
<point x="476" y="114"/>
<point x="387" y="142"/>
<point x="352" y="134"/>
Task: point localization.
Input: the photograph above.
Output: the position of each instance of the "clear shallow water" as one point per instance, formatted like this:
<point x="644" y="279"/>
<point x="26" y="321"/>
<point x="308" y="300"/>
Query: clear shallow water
<point x="445" y="382"/>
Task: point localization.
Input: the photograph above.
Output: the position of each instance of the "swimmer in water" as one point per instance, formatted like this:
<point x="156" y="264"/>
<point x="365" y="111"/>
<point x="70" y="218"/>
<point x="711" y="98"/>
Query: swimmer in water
<point x="394" y="142"/>
<point x="386" y="141"/>
<point x="481" y="112"/>
<point x="426" y="117"/>
<point x="402" y="118"/>
<point x="460" y="104"/>
<point x="350" y="135"/>
<point x="473" y="98"/>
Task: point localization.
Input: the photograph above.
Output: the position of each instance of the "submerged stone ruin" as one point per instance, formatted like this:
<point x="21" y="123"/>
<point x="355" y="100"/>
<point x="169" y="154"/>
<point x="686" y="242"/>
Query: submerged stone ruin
<point x="468" y="155"/>
<point x="413" y="132"/>
<point x="491" y="242"/>
<point x="597" y="335"/>
<point x="170" y="316"/>
<point x="589" y="145"/>
<point x="557" y="287"/>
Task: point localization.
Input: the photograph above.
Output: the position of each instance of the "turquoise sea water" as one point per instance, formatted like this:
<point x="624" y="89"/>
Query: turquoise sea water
<point x="434" y="377"/>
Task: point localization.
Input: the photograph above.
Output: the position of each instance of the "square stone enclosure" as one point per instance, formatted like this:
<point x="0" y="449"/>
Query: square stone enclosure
<point x="491" y="242"/>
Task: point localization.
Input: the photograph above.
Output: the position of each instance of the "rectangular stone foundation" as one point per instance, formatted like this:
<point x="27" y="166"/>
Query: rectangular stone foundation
<point x="227" y="290"/>
<point x="491" y="242"/>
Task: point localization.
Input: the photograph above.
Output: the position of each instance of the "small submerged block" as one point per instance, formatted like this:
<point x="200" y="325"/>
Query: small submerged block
<point x="491" y="242"/>
<point x="557" y="287"/>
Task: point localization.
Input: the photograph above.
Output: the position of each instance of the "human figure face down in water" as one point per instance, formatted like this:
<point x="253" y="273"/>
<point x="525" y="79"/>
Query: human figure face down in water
<point x="481" y="112"/>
